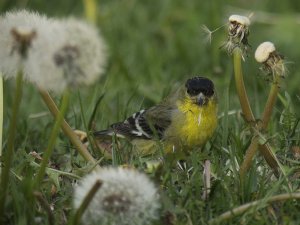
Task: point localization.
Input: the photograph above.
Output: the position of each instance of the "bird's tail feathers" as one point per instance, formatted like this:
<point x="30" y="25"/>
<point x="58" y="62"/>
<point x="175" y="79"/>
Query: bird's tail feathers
<point x="106" y="133"/>
<point x="103" y="133"/>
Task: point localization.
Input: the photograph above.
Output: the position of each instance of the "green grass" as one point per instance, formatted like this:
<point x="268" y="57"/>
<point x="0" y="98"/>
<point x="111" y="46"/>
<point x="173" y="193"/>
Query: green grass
<point x="154" y="46"/>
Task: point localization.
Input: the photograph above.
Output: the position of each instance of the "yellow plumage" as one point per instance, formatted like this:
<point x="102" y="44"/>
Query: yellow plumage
<point x="193" y="125"/>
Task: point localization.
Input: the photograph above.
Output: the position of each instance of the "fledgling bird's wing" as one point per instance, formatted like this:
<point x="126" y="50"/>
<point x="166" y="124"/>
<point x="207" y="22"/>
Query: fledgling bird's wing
<point x="145" y="124"/>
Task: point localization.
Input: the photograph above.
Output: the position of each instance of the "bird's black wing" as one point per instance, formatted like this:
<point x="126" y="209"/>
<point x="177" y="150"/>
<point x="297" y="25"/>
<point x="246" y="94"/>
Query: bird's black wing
<point x="145" y="124"/>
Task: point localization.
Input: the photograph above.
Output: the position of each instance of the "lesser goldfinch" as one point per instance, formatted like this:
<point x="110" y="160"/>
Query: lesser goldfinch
<point x="186" y="119"/>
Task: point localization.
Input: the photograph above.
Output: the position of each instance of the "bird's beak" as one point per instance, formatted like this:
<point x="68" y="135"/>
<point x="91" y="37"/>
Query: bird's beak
<point x="201" y="99"/>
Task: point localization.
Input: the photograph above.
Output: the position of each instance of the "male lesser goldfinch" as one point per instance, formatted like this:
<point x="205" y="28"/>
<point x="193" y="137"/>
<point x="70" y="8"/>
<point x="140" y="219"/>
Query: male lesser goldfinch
<point x="184" y="120"/>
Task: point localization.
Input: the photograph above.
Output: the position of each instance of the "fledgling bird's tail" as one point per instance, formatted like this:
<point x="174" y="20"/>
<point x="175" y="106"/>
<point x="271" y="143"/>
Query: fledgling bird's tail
<point x="100" y="135"/>
<point x="103" y="140"/>
<point x="103" y="133"/>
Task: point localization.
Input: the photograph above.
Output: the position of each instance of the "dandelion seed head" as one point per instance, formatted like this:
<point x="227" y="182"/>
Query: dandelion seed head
<point x="243" y="20"/>
<point x="19" y="30"/>
<point x="89" y="48"/>
<point x="54" y="54"/>
<point x="40" y="65"/>
<point x="238" y="27"/>
<point x="125" y="197"/>
<point x="263" y="51"/>
<point x="238" y="32"/>
<point x="273" y="63"/>
<point x="71" y="53"/>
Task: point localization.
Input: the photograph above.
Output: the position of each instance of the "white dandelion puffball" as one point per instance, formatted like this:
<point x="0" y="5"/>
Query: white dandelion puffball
<point x="91" y="48"/>
<point x="243" y="20"/>
<point x="24" y="22"/>
<point x="60" y="54"/>
<point x="40" y="66"/>
<point x="126" y="197"/>
<point x="263" y="51"/>
<point x="71" y="53"/>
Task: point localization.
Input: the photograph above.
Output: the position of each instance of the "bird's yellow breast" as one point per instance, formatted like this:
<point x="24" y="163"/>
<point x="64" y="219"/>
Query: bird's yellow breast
<point x="193" y="125"/>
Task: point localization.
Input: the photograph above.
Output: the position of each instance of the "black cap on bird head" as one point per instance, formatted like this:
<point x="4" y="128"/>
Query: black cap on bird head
<point x="197" y="85"/>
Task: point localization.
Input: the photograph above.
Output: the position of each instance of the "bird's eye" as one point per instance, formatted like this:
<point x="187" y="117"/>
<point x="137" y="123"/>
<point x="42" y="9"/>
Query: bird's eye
<point x="192" y="92"/>
<point x="209" y="92"/>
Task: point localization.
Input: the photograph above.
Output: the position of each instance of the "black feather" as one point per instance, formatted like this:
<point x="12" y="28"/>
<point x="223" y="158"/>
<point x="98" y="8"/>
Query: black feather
<point x="135" y="126"/>
<point x="196" y="85"/>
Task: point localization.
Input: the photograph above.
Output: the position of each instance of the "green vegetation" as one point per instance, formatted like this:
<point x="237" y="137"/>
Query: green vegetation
<point x="154" y="46"/>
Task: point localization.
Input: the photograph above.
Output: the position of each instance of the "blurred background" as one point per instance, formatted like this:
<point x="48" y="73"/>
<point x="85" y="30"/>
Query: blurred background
<point x="155" y="45"/>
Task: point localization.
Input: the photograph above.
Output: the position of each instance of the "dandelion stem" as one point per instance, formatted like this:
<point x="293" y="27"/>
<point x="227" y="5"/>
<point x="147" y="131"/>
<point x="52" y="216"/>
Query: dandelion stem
<point x="206" y="179"/>
<point x="264" y="149"/>
<point x="240" y="86"/>
<point x="270" y="103"/>
<point x="243" y="208"/>
<point x="53" y="136"/>
<point x="1" y="117"/>
<point x="250" y="153"/>
<point x="86" y="201"/>
<point x="90" y="9"/>
<point x="8" y="156"/>
<point x="270" y="158"/>
<point x="267" y="153"/>
<point x="246" y="109"/>
<point x="249" y="117"/>
<point x="67" y="129"/>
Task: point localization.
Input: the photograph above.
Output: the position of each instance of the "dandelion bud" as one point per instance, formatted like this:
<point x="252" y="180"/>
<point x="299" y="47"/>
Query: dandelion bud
<point x="271" y="60"/>
<point x="125" y="197"/>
